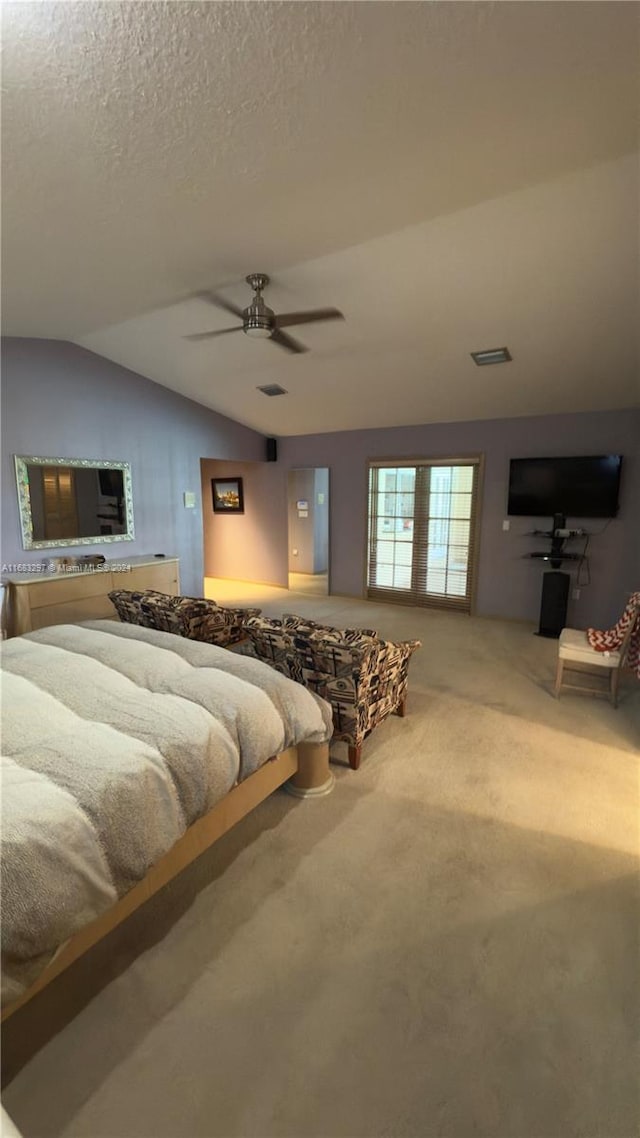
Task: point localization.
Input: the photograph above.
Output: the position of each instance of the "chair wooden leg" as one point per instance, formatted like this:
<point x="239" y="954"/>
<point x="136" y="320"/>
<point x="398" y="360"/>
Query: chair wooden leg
<point x="355" y="754"/>
<point x="401" y="709"/>
<point x="559" y="671"/>
<point x="615" y="680"/>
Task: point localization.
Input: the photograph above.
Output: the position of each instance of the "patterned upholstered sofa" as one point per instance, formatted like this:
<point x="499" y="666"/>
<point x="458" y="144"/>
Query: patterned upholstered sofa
<point x="363" y="677"/>
<point x="193" y="617"/>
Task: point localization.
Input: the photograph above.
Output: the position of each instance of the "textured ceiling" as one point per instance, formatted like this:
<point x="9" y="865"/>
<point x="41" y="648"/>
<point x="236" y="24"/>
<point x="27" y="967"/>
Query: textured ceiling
<point x="451" y="175"/>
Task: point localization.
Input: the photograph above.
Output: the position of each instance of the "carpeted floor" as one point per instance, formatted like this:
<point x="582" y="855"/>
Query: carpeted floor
<point x="446" y="947"/>
<point x="311" y="584"/>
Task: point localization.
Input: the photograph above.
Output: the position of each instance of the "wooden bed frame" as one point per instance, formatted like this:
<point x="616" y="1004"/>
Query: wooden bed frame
<point x="307" y="768"/>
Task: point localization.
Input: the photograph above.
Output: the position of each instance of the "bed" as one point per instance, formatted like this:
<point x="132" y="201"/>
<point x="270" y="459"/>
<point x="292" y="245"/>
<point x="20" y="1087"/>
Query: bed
<point x="125" y="753"/>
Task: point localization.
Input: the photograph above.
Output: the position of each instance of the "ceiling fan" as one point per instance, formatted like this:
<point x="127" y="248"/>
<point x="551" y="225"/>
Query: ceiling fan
<point x="260" y="321"/>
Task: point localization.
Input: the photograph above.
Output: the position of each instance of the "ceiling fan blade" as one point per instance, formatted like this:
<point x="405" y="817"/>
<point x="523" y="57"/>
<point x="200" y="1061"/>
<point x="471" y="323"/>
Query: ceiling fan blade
<point x="287" y="319"/>
<point x="288" y="342"/>
<point x="221" y="302"/>
<point x="210" y="335"/>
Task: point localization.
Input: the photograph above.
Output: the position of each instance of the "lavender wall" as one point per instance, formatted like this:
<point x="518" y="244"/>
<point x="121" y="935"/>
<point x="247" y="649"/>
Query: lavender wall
<point x="301" y="487"/>
<point x="321" y="520"/>
<point x="61" y="400"/>
<point x="508" y="585"/>
<point x="309" y="535"/>
<point x="250" y="546"/>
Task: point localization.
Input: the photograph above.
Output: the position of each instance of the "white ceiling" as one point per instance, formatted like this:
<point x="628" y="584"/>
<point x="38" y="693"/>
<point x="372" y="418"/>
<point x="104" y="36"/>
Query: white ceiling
<point x="452" y="176"/>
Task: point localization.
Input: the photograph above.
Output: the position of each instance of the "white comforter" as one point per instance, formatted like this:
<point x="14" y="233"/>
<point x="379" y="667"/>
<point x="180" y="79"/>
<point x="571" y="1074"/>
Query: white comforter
<point x="115" y="739"/>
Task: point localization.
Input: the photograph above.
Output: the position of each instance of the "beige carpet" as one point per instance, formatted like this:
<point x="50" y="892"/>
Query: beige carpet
<point x="311" y="584"/>
<point x="446" y="947"/>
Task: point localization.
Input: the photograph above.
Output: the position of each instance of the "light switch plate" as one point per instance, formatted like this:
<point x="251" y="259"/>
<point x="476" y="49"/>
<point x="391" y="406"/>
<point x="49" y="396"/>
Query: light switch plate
<point x="189" y="500"/>
<point x="506" y="525"/>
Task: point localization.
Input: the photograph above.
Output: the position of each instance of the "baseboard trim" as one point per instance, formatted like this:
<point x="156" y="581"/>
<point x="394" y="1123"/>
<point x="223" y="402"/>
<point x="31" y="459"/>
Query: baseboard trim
<point x="248" y="581"/>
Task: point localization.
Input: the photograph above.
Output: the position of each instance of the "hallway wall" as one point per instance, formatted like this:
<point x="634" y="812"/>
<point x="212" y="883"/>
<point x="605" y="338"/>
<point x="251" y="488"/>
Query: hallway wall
<point x="251" y="546"/>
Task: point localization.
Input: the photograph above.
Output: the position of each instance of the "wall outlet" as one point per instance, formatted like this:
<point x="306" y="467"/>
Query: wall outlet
<point x="506" y="525"/>
<point x="576" y="594"/>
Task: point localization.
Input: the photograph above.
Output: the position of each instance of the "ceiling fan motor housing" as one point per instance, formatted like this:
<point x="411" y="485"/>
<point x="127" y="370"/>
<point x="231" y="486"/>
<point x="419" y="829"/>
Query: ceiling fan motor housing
<point x="258" y="318"/>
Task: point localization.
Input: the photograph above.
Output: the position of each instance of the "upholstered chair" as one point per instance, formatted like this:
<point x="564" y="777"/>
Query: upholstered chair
<point x="599" y="654"/>
<point x="362" y="676"/>
<point x="147" y="608"/>
<point x="192" y="617"/>
<point x="216" y="624"/>
<point x="272" y="643"/>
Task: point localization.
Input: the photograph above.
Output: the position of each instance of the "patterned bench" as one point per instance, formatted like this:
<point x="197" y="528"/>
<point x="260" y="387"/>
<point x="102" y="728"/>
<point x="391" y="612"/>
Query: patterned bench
<point x="193" y="617"/>
<point x="362" y="676"/>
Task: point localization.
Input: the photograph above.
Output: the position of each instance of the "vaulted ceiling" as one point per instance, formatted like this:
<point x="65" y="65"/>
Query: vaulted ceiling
<point x="452" y="176"/>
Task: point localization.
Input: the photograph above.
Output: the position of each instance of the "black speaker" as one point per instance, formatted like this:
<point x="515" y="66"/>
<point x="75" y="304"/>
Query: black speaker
<point x="272" y="450"/>
<point x="553" y="606"/>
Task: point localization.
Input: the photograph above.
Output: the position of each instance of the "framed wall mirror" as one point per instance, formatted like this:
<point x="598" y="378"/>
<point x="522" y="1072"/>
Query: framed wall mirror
<point x="73" y="501"/>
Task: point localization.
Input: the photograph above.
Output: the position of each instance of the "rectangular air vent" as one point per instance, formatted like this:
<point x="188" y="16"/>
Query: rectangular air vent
<point x="272" y="389"/>
<point x="491" y="356"/>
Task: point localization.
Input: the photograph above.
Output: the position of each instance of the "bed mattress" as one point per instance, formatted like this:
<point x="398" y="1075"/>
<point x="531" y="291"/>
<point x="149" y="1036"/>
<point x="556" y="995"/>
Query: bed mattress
<point x="115" y="739"/>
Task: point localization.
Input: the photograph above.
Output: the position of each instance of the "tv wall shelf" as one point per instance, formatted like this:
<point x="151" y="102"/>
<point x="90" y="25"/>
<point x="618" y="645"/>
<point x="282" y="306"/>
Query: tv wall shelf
<point x="564" y="536"/>
<point x="556" y="557"/>
<point x="555" y="585"/>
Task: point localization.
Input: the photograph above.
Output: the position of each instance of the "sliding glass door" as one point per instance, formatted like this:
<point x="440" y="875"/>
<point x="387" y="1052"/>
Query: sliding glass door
<point x="422" y="532"/>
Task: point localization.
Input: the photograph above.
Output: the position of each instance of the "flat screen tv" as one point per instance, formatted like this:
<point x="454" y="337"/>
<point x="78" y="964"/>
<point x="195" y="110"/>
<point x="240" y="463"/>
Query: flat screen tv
<point x="584" y="486"/>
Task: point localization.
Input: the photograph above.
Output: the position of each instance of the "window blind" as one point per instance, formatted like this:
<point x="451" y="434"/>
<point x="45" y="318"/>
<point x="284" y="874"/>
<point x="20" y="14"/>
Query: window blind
<point x="422" y="531"/>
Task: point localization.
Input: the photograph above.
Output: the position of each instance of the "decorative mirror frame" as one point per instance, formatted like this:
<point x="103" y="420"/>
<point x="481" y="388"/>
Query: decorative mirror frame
<point x="23" y="461"/>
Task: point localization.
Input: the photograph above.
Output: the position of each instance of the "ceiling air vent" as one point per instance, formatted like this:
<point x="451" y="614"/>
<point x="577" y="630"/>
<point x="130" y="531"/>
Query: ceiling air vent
<point x="491" y="356"/>
<point x="272" y="389"/>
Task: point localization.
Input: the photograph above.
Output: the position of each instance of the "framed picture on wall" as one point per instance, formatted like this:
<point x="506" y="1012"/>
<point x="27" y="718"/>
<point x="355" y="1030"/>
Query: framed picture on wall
<point x="228" y="497"/>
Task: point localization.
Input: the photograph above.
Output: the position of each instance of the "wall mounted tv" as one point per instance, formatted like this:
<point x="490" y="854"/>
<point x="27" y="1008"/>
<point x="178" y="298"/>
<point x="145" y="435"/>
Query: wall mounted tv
<point x="584" y="486"/>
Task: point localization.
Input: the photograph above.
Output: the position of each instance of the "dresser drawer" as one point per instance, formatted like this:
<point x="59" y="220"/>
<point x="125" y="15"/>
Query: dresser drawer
<point x="74" y="587"/>
<point x="162" y="577"/>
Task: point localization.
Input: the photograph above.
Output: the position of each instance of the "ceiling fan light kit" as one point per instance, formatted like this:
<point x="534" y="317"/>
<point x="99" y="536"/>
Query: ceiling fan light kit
<point x="257" y="330"/>
<point x="260" y="322"/>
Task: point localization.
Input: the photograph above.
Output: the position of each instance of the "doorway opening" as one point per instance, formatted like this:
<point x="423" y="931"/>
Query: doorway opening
<point x="308" y="511"/>
<point x="423" y="532"/>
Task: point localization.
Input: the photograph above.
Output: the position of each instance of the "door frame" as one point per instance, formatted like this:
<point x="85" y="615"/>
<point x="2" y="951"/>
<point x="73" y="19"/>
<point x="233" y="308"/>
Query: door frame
<point x="478" y="458"/>
<point x="316" y="466"/>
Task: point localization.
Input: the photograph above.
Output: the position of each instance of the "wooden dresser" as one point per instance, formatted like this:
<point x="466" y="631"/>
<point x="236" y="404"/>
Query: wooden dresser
<point x="35" y="600"/>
